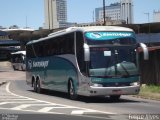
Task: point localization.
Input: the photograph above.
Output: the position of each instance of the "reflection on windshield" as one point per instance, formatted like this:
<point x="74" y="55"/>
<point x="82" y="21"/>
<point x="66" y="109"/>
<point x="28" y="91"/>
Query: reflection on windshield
<point x="113" y="61"/>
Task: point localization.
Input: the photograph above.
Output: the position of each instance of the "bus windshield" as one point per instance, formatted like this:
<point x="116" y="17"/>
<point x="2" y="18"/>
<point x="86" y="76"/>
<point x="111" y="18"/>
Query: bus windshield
<point x="113" y="61"/>
<point x="112" y="54"/>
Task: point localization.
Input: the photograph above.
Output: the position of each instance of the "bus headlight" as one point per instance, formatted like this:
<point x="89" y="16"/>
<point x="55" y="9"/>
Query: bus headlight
<point x="97" y="85"/>
<point x="135" y="83"/>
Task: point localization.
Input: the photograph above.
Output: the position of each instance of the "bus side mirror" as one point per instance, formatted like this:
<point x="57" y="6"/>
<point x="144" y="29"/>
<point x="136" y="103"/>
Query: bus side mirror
<point x="145" y="51"/>
<point x="86" y="53"/>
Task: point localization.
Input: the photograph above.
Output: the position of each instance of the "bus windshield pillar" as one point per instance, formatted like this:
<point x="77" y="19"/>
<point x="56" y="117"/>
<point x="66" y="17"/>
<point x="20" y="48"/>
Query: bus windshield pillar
<point x="86" y="53"/>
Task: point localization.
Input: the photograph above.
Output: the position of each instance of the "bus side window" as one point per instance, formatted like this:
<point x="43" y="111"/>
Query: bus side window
<point x="80" y="51"/>
<point x="30" y="52"/>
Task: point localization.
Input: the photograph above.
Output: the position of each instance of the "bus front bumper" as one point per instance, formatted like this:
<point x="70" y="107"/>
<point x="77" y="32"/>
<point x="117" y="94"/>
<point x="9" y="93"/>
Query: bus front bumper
<point x="105" y="91"/>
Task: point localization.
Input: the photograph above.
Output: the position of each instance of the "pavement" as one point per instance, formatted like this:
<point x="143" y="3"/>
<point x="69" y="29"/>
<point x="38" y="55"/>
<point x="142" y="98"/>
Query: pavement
<point x="7" y="76"/>
<point x="7" y="73"/>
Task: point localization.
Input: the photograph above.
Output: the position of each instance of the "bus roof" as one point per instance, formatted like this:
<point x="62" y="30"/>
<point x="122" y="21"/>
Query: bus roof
<point x="84" y="29"/>
<point x="19" y="52"/>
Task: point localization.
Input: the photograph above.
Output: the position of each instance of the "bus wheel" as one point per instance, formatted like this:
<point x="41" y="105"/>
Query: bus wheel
<point x="38" y="86"/>
<point x="71" y="91"/>
<point x="115" y="97"/>
<point x="35" y="86"/>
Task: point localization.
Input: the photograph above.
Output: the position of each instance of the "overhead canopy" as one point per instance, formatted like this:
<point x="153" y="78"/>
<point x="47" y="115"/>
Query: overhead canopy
<point x="2" y="33"/>
<point x="9" y="43"/>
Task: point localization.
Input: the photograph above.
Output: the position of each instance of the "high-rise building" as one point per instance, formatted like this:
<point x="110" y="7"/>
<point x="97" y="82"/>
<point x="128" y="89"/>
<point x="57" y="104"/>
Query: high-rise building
<point x="122" y="10"/>
<point x="112" y="12"/>
<point x="127" y="11"/>
<point x="156" y="16"/>
<point x="55" y="13"/>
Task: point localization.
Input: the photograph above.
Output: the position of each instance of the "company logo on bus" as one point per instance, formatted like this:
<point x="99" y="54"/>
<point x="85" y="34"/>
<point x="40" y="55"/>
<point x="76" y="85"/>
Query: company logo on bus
<point x="37" y="64"/>
<point x="108" y="35"/>
<point x="30" y="64"/>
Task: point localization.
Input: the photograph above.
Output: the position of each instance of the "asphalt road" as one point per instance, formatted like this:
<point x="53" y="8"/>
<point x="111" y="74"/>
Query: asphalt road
<point x="17" y="100"/>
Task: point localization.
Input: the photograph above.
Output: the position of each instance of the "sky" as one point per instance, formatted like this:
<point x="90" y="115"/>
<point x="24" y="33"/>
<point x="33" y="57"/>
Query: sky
<point x="30" y="13"/>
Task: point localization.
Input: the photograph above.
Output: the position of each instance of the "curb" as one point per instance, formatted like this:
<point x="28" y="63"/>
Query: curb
<point x="2" y="83"/>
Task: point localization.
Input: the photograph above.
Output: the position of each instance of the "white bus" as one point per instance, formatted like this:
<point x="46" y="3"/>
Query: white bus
<point x="88" y="61"/>
<point x="18" y="60"/>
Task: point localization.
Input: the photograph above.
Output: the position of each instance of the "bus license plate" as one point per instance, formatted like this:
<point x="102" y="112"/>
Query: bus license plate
<point x="117" y="92"/>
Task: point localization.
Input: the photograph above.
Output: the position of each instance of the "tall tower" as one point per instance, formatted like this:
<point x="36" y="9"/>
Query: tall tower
<point x="127" y="11"/>
<point x="55" y="13"/>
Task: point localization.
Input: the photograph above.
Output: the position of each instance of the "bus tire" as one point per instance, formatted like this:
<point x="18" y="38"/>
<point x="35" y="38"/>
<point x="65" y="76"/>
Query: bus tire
<point x="14" y="68"/>
<point x="38" y="86"/>
<point x="71" y="90"/>
<point x="34" y="86"/>
<point x="115" y="97"/>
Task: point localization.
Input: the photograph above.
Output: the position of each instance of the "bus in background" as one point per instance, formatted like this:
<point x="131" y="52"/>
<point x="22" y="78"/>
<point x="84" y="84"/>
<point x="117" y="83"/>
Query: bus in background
<point x="18" y="60"/>
<point x="88" y="61"/>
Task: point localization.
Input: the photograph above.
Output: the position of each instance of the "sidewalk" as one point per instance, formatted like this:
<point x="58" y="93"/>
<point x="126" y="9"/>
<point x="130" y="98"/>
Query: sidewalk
<point x="7" y="76"/>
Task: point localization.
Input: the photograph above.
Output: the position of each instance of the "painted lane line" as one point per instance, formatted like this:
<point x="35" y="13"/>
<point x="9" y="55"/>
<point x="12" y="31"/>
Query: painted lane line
<point x="7" y="89"/>
<point x="21" y="107"/>
<point x="18" y="99"/>
<point x="32" y="111"/>
<point x="18" y="102"/>
<point x="47" y="109"/>
<point x="81" y="112"/>
<point x="3" y="103"/>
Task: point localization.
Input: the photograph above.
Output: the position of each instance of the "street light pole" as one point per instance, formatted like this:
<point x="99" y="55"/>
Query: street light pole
<point x="104" y="13"/>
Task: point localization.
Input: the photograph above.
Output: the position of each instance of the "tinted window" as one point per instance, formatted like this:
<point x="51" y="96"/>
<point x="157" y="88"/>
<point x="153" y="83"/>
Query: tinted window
<point x="55" y="46"/>
<point x="80" y="51"/>
<point x="29" y="51"/>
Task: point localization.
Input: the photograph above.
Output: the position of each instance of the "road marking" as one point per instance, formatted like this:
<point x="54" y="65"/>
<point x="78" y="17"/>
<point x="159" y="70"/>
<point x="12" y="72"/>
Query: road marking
<point x="3" y="103"/>
<point x="81" y="112"/>
<point x="74" y="112"/>
<point x="18" y="99"/>
<point x="21" y="107"/>
<point x="47" y="109"/>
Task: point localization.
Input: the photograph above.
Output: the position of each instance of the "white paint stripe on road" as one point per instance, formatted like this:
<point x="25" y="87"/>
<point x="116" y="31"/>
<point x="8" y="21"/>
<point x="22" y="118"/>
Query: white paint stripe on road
<point x="45" y="109"/>
<point x="3" y="103"/>
<point x="81" y="112"/>
<point x="30" y="111"/>
<point x="23" y="106"/>
<point x="18" y="102"/>
<point x="20" y="107"/>
<point x="18" y="99"/>
<point x="7" y="89"/>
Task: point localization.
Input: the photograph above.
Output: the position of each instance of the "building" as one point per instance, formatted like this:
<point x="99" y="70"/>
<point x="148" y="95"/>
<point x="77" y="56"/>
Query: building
<point x="156" y="16"/>
<point x="127" y="11"/>
<point x="55" y="13"/>
<point x="112" y="12"/>
<point x="121" y="11"/>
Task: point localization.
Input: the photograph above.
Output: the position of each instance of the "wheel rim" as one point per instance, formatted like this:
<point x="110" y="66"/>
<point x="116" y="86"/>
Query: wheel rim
<point x="71" y="89"/>
<point x="38" y="87"/>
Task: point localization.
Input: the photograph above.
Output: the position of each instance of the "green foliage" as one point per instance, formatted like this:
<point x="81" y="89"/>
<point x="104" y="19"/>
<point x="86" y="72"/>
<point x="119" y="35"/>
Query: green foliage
<point x="151" y="88"/>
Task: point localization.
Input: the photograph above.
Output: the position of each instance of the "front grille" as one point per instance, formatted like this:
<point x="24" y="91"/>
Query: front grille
<point x="115" y="84"/>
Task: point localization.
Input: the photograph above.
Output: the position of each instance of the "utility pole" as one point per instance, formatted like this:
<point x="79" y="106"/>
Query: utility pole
<point x="148" y="16"/>
<point x="104" y="13"/>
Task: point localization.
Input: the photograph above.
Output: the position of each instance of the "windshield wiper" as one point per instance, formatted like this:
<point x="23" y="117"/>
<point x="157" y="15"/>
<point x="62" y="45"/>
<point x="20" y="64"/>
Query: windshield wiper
<point x="125" y="70"/>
